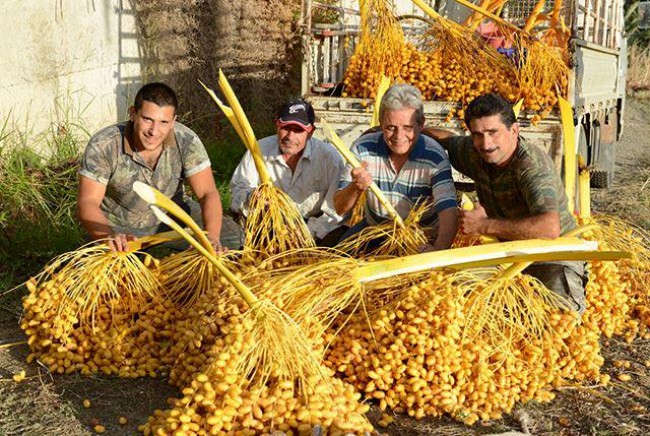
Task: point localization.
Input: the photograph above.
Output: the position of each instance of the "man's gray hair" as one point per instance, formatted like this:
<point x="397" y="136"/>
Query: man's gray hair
<point x="402" y="96"/>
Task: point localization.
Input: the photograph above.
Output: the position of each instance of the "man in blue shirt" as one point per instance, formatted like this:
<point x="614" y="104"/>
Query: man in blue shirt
<point x="407" y="166"/>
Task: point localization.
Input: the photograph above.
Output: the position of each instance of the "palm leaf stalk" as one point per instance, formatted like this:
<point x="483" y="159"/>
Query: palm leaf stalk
<point x="274" y="223"/>
<point x="358" y="212"/>
<point x="183" y="285"/>
<point x="324" y="288"/>
<point x="584" y="193"/>
<point x="278" y="345"/>
<point x="384" y="84"/>
<point x="509" y="306"/>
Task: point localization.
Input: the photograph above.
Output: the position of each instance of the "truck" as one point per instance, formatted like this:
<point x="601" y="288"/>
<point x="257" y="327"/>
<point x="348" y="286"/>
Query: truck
<point x="598" y="63"/>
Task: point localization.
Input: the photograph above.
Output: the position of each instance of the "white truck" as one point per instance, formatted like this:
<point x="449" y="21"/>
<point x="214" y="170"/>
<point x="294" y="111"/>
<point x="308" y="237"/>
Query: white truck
<point x="597" y="88"/>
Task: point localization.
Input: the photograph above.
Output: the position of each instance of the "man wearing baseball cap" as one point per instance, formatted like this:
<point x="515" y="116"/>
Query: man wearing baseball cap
<point x="305" y="168"/>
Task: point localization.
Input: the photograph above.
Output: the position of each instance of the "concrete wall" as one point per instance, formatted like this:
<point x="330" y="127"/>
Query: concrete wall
<point x="67" y="60"/>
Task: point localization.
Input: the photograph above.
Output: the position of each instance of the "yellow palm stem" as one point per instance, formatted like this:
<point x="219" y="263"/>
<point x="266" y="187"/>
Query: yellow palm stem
<point x="517" y="268"/>
<point x="148" y="241"/>
<point x="384" y="84"/>
<point x="532" y="18"/>
<point x="516" y="108"/>
<point x="428" y="9"/>
<point x="500" y="5"/>
<point x="584" y="191"/>
<point x="568" y="139"/>
<point x="474" y="20"/>
<point x="12" y="344"/>
<point x="483" y="12"/>
<point x="243" y="290"/>
<point x="155" y="197"/>
<point x="461" y="256"/>
<point x="246" y="128"/>
<point x="228" y="112"/>
<point x="557" y="8"/>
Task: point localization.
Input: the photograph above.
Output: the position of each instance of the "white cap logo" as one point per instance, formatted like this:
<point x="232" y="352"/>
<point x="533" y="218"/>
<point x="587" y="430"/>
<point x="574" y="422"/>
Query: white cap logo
<point x="297" y="108"/>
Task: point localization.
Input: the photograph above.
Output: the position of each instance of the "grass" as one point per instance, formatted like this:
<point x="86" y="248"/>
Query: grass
<point x="36" y="399"/>
<point x="37" y="200"/>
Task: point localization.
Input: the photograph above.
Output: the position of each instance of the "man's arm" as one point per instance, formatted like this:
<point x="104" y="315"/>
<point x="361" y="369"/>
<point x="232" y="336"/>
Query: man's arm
<point x="438" y="134"/>
<point x="202" y="184"/>
<point x="89" y="200"/>
<point x="476" y="222"/>
<point x="448" y="226"/>
<point x="92" y="219"/>
<point x="244" y="181"/>
<point x="443" y="193"/>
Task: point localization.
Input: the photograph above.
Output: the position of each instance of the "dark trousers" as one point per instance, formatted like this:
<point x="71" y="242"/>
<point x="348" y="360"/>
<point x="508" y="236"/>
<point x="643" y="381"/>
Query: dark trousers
<point x="566" y="279"/>
<point x="333" y="237"/>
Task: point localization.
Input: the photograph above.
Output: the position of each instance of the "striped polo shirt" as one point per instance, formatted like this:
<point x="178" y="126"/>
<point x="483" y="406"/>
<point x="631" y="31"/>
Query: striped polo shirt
<point x="426" y="176"/>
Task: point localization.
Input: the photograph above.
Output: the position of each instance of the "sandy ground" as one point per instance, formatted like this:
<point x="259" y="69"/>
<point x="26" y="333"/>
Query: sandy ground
<point x="52" y="405"/>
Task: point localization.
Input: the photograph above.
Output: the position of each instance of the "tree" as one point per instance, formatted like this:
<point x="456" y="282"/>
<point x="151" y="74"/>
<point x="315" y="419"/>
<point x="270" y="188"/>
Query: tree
<point x="635" y="34"/>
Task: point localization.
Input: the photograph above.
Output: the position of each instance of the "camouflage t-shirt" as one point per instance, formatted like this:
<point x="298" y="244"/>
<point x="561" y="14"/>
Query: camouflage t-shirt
<point x="111" y="160"/>
<point x="527" y="186"/>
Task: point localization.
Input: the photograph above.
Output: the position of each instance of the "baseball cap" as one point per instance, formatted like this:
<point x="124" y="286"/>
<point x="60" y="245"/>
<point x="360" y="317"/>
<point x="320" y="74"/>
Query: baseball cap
<point x="297" y="112"/>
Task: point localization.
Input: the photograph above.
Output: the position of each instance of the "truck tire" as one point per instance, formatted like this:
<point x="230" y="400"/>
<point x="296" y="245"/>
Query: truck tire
<point x="603" y="176"/>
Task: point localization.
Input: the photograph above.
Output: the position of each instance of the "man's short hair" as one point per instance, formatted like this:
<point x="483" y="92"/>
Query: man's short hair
<point x="157" y="93"/>
<point x="402" y="96"/>
<point x="488" y="105"/>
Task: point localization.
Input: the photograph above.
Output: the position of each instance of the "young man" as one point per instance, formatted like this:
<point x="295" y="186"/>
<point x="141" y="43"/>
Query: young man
<point x="407" y="166"/>
<point x="520" y="194"/>
<point x="154" y="149"/>
<point x="305" y="168"/>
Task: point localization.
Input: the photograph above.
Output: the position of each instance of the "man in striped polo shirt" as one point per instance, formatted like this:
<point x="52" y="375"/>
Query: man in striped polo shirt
<point x="408" y="167"/>
<point x="520" y="194"/>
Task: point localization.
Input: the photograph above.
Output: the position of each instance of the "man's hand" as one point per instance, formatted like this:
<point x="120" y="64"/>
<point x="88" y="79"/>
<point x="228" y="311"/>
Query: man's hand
<point x="473" y="222"/>
<point x="216" y="244"/>
<point x="361" y="178"/>
<point x="346" y="198"/>
<point x="120" y="242"/>
<point x="428" y="248"/>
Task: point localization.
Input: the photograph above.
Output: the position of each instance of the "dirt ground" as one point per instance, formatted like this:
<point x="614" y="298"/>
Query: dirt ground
<point x="43" y="404"/>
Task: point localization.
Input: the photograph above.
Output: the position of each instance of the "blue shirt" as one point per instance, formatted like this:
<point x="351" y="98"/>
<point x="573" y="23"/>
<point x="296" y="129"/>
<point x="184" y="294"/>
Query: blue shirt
<point x="425" y="176"/>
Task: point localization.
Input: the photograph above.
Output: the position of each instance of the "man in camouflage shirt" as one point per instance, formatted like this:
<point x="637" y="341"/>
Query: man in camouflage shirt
<point x="154" y="149"/>
<point x="520" y="194"/>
